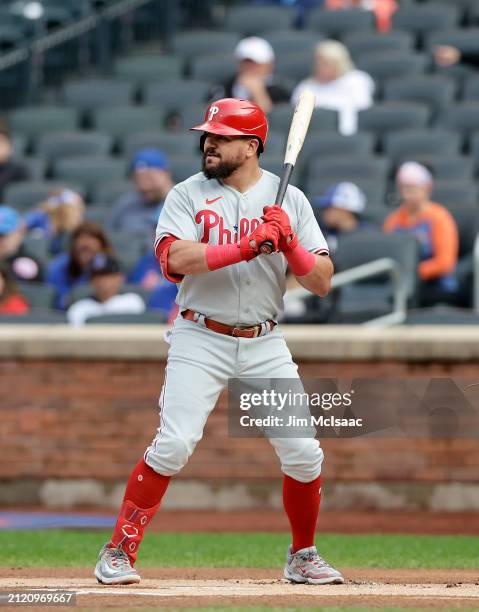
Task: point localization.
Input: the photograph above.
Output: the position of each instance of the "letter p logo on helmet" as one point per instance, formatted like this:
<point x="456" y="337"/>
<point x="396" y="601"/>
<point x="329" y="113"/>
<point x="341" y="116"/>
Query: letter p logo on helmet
<point x="212" y="112"/>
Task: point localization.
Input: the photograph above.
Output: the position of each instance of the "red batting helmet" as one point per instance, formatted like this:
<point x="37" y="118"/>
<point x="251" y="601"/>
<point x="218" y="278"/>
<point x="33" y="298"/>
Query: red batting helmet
<point x="235" y="117"/>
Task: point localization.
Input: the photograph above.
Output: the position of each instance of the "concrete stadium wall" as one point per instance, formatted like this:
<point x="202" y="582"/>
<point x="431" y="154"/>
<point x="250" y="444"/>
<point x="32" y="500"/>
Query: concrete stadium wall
<point x="79" y="407"/>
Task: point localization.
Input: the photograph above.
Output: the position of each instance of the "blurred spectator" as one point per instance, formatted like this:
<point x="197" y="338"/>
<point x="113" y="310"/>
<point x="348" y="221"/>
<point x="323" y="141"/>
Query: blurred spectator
<point x="338" y="85"/>
<point x="13" y="252"/>
<point x="342" y="207"/>
<point x="11" y="300"/>
<point x="107" y="280"/>
<point x="137" y="211"/>
<point x="255" y="79"/>
<point x="435" y="230"/>
<point x="383" y="9"/>
<point x="447" y="55"/>
<point x="55" y="219"/>
<point x="147" y="274"/>
<point x="69" y="270"/>
<point x="10" y="170"/>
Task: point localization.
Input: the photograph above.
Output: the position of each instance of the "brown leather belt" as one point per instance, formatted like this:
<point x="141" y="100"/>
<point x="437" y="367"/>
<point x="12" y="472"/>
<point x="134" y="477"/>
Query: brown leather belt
<point x="228" y="330"/>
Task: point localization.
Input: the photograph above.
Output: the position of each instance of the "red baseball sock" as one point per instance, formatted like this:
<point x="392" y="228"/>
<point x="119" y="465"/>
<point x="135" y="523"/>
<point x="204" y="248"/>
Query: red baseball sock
<point x="143" y="495"/>
<point x="301" y="503"/>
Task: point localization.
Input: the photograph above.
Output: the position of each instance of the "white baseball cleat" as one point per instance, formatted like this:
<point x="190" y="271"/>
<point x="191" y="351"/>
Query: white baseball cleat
<point x="306" y="566"/>
<point x="114" y="567"/>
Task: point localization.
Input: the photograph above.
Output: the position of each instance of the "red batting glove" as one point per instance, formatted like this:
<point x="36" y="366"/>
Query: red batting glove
<point x="264" y="232"/>
<point x="287" y="238"/>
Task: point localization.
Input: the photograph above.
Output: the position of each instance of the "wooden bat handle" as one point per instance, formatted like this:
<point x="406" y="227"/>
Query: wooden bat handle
<point x="267" y="246"/>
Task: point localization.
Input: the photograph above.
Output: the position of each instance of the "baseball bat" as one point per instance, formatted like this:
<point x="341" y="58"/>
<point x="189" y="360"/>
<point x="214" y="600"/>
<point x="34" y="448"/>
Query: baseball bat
<point x="297" y="133"/>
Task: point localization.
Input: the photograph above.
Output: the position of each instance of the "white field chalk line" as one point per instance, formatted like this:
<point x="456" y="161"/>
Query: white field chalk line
<point x="238" y="588"/>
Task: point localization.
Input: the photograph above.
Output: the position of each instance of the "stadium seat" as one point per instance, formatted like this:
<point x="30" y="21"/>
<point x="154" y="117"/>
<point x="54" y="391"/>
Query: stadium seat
<point x="274" y="162"/>
<point x="127" y="119"/>
<point x="292" y="41"/>
<point x="295" y="66"/>
<point x="374" y="190"/>
<point x="360" y="302"/>
<point x="97" y="213"/>
<point x="35" y="317"/>
<point x="467" y="221"/>
<point x="471" y="89"/>
<point x="34" y="121"/>
<point x="445" y="167"/>
<point x="128" y="248"/>
<point x="185" y="117"/>
<point x="105" y="194"/>
<point x="349" y="168"/>
<point x="89" y="171"/>
<point x="474" y="147"/>
<point x="464" y="39"/>
<point x="184" y="165"/>
<point x="36" y="167"/>
<point x="463" y="117"/>
<point x="69" y="144"/>
<point x="38" y="246"/>
<point x="419" y="142"/>
<point x="453" y="194"/>
<point x="390" y="116"/>
<point x="19" y="145"/>
<point x="322" y="119"/>
<point x="437" y="91"/>
<point x="190" y="44"/>
<point x="146" y="318"/>
<point x="26" y="194"/>
<point x="89" y="94"/>
<point x="424" y="18"/>
<point x="37" y="295"/>
<point x="254" y="20"/>
<point x="141" y="69"/>
<point x="360" y="43"/>
<point x="212" y="68"/>
<point x="442" y="315"/>
<point x="390" y="64"/>
<point x="169" y="142"/>
<point x="176" y="93"/>
<point x="10" y="36"/>
<point x="337" y="24"/>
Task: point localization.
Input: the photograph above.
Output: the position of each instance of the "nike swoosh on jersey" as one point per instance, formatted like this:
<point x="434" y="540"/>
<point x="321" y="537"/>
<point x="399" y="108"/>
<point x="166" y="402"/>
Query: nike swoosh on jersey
<point x="213" y="200"/>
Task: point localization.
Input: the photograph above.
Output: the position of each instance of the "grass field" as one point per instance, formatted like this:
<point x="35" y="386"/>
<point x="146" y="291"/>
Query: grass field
<point x="59" y="548"/>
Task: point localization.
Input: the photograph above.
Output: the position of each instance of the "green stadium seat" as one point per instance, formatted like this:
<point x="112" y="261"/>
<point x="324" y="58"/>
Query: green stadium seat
<point x="286" y="42"/>
<point x="256" y="20"/>
<point x="127" y="119"/>
<point x="37" y="295"/>
<point x="337" y="24"/>
<point x="295" y="66"/>
<point x="183" y="166"/>
<point x="36" y="167"/>
<point x="390" y="116"/>
<point x="424" y="18"/>
<point x="142" y="69"/>
<point x="89" y="171"/>
<point x="90" y="94"/>
<point x="169" y="142"/>
<point x="391" y="64"/>
<point x="35" y="121"/>
<point x="175" y="94"/>
<point x="27" y="194"/>
<point x="462" y="117"/>
<point x="445" y="167"/>
<point x="456" y="193"/>
<point x="419" y="142"/>
<point x="213" y="68"/>
<point x="471" y="89"/>
<point x="190" y="44"/>
<point x="322" y="119"/>
<point x="360" y="43"/>
<point x="69" y="144"/>
<point x="374" y="190"/>
<point x="349" y="168"/>
<point x="464" y="39"/>
<point x="105" y="194"/>
<point x="146" y="318"/>
<point x="435" y="90"/>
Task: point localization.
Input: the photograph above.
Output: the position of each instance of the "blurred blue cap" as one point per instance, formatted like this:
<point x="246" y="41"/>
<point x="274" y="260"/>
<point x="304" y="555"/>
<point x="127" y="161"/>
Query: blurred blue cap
<point x="149" y="158"/>
<point x="346" y="196"/>
<point x="10" y="220"/>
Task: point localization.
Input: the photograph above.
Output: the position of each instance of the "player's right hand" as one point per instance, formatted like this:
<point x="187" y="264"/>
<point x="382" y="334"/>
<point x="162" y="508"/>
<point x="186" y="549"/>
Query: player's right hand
<point x="265" y="232"/>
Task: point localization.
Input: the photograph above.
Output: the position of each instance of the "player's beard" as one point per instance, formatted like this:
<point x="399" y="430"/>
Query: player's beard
<point x="223" y="170"/>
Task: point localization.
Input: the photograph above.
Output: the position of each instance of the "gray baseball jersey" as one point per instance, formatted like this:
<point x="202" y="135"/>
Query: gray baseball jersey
<point x="208" y="211"/>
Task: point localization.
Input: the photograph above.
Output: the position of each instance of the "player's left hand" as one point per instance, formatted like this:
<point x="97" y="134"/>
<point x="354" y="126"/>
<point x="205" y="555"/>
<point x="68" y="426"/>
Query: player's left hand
<point x="287" y="238"/>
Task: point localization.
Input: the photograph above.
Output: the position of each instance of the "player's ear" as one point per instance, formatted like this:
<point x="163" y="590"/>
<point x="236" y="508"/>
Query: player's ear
<point x="253" y="147"/>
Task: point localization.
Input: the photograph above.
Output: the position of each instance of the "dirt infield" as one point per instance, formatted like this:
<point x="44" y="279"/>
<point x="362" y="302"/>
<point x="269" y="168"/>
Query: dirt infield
<point x="181" y="587"/>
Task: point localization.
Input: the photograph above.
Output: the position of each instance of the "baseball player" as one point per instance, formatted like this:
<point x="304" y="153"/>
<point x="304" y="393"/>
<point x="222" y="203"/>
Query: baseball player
<point x="230" y="295"/>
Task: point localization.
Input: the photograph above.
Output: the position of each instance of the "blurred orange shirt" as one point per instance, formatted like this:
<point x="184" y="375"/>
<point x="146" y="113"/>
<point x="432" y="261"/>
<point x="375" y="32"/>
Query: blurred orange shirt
<point x="437" y="234"/>
<point x="382" y="9"/>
